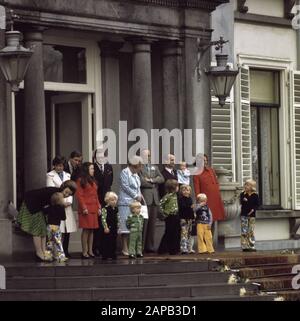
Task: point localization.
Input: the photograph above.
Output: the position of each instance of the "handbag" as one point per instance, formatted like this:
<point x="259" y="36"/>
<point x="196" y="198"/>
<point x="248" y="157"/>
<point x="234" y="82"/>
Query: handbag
<point x="144" y="210"/>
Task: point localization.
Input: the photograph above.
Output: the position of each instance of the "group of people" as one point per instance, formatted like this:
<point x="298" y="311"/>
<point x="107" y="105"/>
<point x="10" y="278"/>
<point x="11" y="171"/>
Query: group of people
<point x="144" y="192"/>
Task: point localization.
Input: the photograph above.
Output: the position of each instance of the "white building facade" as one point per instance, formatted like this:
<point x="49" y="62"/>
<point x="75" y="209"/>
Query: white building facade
<point x="256" y="135"/>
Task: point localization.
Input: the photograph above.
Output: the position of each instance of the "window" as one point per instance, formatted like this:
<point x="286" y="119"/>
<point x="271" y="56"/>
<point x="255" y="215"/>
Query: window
<point x="64" y="64"/>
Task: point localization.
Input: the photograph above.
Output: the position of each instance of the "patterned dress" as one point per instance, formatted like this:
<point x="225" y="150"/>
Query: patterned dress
<point x="249" y="202"/>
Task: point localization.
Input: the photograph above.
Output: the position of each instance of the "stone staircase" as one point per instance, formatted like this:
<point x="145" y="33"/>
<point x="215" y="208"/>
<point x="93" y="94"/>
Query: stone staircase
<point x="190" y="278"/>
<point x="272" y="274"/>
<point x="125" y="280"/>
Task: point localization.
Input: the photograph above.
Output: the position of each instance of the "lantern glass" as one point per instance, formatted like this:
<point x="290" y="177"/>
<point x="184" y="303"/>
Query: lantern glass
<point x="14" y="60"/>
<point x="221" y="83"/>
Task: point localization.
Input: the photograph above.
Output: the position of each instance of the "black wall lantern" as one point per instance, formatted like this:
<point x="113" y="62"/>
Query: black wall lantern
<point x="14" y="58"/>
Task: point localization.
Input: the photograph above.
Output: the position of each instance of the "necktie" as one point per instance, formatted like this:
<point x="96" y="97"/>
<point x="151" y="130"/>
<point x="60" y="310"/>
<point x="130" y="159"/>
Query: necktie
<point x="61" y="176"/>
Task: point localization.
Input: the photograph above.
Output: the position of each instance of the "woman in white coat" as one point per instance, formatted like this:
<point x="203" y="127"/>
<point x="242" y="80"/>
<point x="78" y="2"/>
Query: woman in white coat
<point x="55" y="178"/>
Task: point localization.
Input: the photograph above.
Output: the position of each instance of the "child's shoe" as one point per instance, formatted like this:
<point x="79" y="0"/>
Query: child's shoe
<point x="191" y="251"/>
<point x="131" y="256"/>
<point x="62" y="260"/>
<point x="48" y="256"/>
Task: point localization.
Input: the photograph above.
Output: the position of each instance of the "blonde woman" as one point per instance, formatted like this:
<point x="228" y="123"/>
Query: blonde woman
<point x="130" y="191"/>
<point x="249" y="201"/>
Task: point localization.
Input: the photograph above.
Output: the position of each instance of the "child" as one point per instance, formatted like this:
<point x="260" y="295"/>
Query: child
<point x="110" y="223"/>
<point x="170" y="242"/>
<point x="204" y="221"/>
<point x="186" y="215"/>
<point x="250" y="202"/>
<point x="55" y="214"/>
<point x="183" y="174"/>
<point x="134" y="223"/>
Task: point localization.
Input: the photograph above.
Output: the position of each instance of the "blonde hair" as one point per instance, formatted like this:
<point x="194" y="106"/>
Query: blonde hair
<point x="110" y="195"/>
<point x="183" y="187"/>
<point x="134" y="204"/>
<point x="201" y="197"/>
<point x="252" y="183"/>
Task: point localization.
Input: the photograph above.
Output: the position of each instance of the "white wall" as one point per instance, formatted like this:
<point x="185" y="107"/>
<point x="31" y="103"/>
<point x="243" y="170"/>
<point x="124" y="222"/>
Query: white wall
<point x="265" y="41"/>
<point x="267" y="230"/>
<point x="274" y="8"/>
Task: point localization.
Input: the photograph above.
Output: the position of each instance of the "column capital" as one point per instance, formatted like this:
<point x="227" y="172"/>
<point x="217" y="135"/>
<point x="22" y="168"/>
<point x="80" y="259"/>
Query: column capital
<point x="141" y="44"/>
<point x="34" y="33"/>
<point x="172" y="48"/>
<point x="110" y="48"/>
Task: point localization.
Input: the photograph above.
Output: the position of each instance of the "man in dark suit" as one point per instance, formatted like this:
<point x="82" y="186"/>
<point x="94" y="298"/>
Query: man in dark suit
<point x="150" y="178"/>
<point x="104" y="178"/>
<point x="73" y="165"/>
<point x="169" y="172"/>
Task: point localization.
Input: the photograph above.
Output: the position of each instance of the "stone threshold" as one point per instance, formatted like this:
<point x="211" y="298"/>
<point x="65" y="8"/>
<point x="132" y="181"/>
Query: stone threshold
<point x="273" y="214"/>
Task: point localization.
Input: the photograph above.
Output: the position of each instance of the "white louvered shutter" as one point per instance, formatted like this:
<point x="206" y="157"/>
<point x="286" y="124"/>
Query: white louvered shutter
<point x="245" y="124"/>
<point x="295" y="136"/>
<point x="222" y="135"/>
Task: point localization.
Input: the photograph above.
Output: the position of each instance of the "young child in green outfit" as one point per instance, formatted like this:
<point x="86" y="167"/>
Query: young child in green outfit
<point x="135" y="223"/>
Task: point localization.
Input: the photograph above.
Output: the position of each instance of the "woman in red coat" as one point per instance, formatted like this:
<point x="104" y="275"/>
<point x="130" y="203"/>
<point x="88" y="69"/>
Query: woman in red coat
<point x="207" y="183"/>
<point x="88" y="208"/>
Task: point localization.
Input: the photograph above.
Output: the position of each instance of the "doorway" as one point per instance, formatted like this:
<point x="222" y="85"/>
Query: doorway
<point x="71" y="124"/>
<point x="265" y="104"/>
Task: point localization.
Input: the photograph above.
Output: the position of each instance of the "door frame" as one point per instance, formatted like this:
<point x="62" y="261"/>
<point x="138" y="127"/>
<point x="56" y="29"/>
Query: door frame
<point x="283" y="66"/>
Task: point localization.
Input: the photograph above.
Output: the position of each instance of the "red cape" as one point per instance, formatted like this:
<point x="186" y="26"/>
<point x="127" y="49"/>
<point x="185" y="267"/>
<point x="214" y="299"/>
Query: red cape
<point x="208" y="184"/>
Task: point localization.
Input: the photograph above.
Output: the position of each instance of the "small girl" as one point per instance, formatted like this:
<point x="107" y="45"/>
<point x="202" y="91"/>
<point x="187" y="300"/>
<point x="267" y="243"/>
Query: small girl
<point x="170" y="242"/>
<point x="183" y="174"/>
<point x="186" y="215"/>
<point x="110" y="222"/>
<point x="204" y="220"/>
<point x="135" y="223"/>
<point x="250" y="202"/>
<point x="55" y="214"/>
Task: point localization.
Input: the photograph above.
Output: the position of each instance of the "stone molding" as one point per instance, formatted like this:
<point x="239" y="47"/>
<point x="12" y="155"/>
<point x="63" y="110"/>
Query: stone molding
<point x="202" y="4"/>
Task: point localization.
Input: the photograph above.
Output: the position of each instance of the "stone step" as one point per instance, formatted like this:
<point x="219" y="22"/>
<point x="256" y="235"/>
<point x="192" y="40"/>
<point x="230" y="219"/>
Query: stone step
<point x="264" y="271"/>
<point x="260" y="260"/>
<point x="291" y="295"/>
<point x="193" y="278"/>
<point x="218" y="298"/>
<point x="93" y="294"/>
<point x="95" y="268"/>
<point x="275" y="283"/>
